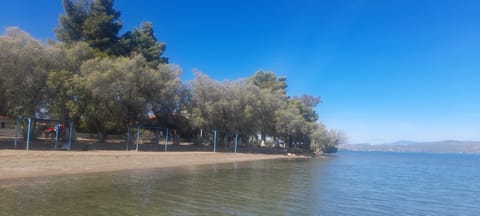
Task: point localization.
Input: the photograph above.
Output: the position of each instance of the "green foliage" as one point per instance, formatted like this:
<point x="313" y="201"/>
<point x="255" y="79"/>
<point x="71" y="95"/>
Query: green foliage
<point x="325" y="140"/>
<point x="331" y="141"/>
<point x="257" y="105"/>
<point x="97" y="23"/>
<point x="23" y="72"/>
<point x="227" y="107"/>
<point x="306" y="111"/>
<point x="105" y="83"/>
<point x="268" y="80"/>
<point x="94" y="22"/>
<point x="143" y="41"/>
<point x="62" y="90"/>
<point x="310" y="101"/>
<point x="271" y="96"/>
<point x="70" y="27"/>
<point x="113" y="91"/>
<point x="102" y="25"/>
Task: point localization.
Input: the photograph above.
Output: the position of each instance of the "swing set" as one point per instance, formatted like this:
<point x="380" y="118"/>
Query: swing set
<point x="50" y="129"/>
<point x="137" y="130"/>
<point x="215" y="132"/>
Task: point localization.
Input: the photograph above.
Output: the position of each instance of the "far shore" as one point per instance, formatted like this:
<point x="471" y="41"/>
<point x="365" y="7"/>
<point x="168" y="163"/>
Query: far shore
<point x="25" y="164"/>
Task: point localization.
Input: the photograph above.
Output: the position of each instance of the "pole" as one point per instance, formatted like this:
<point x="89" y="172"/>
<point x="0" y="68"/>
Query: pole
<point x="16" y="133"/>
<point x="214" y="141"/>
<point x="28" y="132"/>
<point x="236" y="141"/>
<point x="57" y="128"/>
<point x="138" y="137"/>
<point x="128" y="136"/>
<point x="166" y="139"/>
<point x="70" y="134"/>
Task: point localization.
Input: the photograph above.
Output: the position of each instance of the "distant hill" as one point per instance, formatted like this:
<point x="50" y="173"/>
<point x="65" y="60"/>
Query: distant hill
<point x="447" y="146"/>
<point x="401" y="143"/>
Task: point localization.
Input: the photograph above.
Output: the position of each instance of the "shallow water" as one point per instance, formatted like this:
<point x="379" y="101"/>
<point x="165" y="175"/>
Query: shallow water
<point x="351" y="183"/>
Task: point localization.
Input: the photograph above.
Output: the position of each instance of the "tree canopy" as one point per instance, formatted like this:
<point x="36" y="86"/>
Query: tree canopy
<point x="105" y="82"/>
<point x="97" y="23"/>
<point x="143" y="41"/>
<point x="24" y="65"/>
<point x="94" y="22"/>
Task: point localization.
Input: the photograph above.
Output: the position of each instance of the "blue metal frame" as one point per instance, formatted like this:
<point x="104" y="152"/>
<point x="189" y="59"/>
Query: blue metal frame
<point x="236" y="141"/>
<point x="215" y="140"/>
<point x="30" y="120"/>
<point x="129" y="131"/>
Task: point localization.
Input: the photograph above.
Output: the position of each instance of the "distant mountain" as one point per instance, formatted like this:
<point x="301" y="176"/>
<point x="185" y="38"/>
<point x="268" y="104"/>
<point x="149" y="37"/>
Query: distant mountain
<point x="447" y="146"/>
<point x="401" y="143"/>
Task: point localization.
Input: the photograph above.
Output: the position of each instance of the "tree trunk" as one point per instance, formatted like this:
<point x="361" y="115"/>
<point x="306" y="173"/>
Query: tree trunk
<point x="156" y="138"/>
<point x="101" y="130"/>
<point x="176" y="137"/>
<point x="225" y="142"/>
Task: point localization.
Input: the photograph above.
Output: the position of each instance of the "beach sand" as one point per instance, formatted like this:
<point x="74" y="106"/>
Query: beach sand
<point x="24" y="164"/>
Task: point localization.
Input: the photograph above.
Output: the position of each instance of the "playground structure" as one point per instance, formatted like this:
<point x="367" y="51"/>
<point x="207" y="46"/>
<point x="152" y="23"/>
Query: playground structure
<point x="215" y="132"/>
<point x="58" y="134"/>
<point x="46" y="129"/>
<point x="137" y="129"/>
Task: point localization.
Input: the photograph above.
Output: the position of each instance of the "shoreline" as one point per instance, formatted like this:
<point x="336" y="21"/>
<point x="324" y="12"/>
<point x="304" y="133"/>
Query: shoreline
<point x="19" y="164"/>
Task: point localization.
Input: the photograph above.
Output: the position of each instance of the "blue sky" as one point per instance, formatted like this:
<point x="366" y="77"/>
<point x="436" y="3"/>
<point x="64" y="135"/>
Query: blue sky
<point x="386" y="70"/>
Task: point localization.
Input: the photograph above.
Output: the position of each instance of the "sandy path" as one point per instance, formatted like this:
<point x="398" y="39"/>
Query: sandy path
<point x="21" y="164"/>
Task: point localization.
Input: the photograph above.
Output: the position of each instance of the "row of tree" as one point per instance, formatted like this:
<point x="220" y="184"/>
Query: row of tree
<point x="105" y="82"/>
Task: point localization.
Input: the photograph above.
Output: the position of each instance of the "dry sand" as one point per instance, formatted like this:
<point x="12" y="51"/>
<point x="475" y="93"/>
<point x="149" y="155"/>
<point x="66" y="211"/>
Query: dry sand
<point x="23" y="164"/>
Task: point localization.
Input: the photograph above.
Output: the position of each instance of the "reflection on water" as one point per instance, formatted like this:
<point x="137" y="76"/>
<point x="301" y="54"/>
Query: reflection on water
<point x="347" y="184"/>
<point x="252" y="188"/>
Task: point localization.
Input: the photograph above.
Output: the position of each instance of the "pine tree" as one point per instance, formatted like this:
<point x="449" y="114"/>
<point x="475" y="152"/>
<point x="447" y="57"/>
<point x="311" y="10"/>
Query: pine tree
<point x="95" y="22"/>
<point x="102" y="25"/>
<point x="70" y="27"/>
<point x="143" y="41"/>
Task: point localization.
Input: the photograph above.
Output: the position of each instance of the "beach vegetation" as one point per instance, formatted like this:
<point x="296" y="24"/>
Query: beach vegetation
<point x="105" y="82"/>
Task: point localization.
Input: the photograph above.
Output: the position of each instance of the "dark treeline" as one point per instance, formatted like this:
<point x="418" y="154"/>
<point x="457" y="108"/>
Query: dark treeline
<point x="104" y="82"/>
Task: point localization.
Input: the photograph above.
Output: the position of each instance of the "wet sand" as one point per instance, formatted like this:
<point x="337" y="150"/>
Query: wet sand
<point x="24" y="164"/>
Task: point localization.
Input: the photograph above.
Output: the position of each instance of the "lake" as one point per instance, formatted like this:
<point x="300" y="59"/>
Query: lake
<point x="349" y="183"/>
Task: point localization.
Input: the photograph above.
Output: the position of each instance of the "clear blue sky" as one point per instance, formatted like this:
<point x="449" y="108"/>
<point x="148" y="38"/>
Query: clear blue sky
<point x="386" y="70"/>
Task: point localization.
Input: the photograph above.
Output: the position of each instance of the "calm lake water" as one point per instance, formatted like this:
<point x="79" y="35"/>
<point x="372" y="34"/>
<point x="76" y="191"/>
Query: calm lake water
<point x="350" y="183"/>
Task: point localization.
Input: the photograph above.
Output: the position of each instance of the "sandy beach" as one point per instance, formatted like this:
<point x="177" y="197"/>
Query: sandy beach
<point x="24" y="164"/>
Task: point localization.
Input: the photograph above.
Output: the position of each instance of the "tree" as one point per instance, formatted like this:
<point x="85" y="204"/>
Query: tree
<point x="70" y="27"/>
<point x="201" y="87"/>
<point x="102" y="25"/>
<point x="143" y="41"/>
<point x="331" y="140"/>
<point x="292" y="126"/>
<point x="94" y="22"/>
<point x="287" y="120"/>
<point x="268" y="80"/>
<point x="24" y="64"/>
<point x="105" y="83"/>
<point x="266" y="106"/>
<point x="242" y="117"/>
<point x="306" y="108"/>
<point x="310" y="101"/>
<point x="317" y="137"/>
<point x="67" y="60"/>
<point x="228" y="107"/>
<point x="3" y="97"/>
<point x="114" y="91"/>
<point x="271" y="95"/>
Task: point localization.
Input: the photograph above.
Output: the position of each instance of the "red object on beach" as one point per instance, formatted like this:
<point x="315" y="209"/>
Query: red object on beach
<point x="50" y="131"/>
